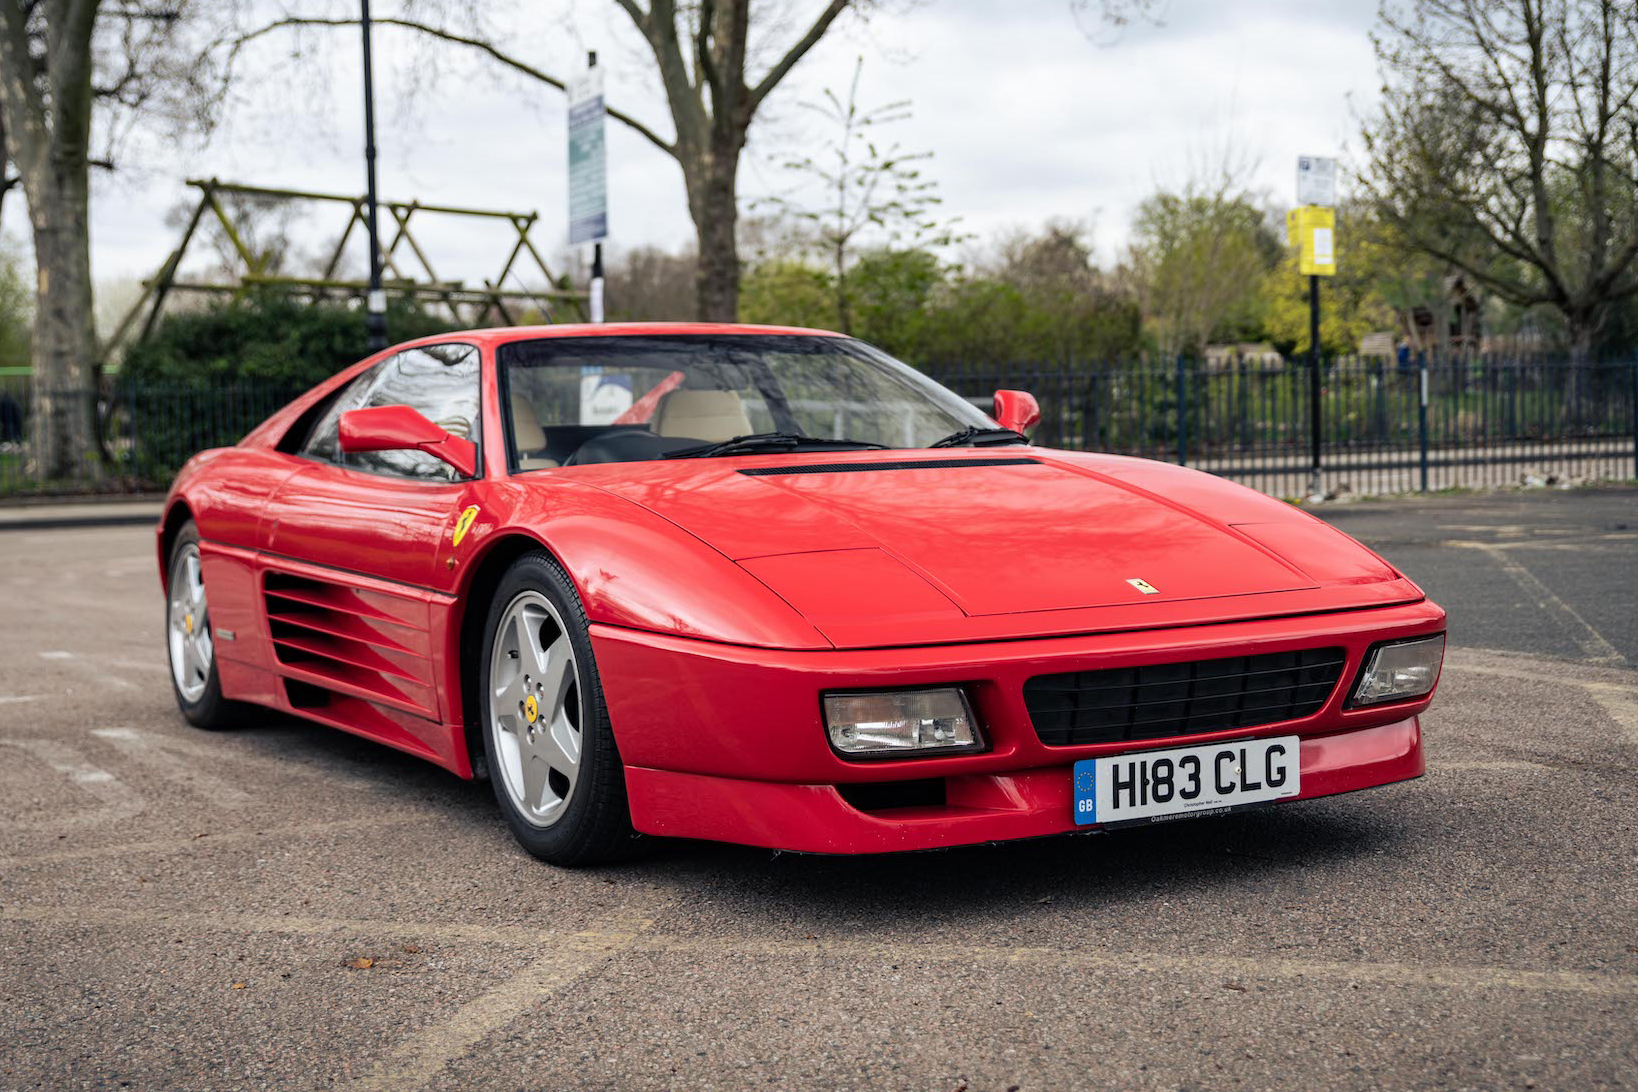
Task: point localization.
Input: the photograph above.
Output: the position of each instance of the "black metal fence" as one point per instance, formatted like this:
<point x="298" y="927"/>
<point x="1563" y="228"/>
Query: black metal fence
<point x="1386" y="426"/>
<point x="144" y="432"/>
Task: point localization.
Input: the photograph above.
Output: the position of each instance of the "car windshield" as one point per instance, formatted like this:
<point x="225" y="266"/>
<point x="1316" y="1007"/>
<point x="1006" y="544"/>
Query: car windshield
<point x="577" y="400"/>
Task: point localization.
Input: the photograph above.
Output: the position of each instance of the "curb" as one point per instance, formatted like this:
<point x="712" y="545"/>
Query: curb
<point x="57" y="518"/>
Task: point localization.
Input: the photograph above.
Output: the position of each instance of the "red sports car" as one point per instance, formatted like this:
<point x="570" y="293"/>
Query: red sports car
<point x="770" y="586"/>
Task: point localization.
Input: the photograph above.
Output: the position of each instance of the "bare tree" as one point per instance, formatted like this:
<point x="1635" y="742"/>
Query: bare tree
<point x="1507" y="145"/>
<point x="867" y="187"/>
<point x="57" y="59"/>
<point x="702" y="56"/>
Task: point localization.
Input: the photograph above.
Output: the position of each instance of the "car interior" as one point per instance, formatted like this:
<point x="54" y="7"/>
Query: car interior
<point x="681" y="419"/>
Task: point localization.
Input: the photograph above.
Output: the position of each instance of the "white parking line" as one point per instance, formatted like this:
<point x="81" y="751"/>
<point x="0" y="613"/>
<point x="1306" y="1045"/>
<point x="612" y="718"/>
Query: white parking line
<point x="118" y="801"/>
<point x="1593" y="646"/>
<point x="169" y="758"/>
<point x="18" y="699"/>
<point x="631" y="934"/>
<point x="1622" y="706"/>
<point x="1496" y="766"/>
<point x="425" y="1053"/>
<point x="193" y="843"/>
<point x="1619" y="700"/>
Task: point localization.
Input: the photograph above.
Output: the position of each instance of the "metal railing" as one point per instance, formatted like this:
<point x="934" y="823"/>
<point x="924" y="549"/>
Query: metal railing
<point x="143" y="432"/>
<point x="1387" y="426"/>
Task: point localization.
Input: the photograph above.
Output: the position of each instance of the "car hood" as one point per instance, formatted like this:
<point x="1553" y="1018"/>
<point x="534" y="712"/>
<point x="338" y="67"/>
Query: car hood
<point x="929" y="545"/>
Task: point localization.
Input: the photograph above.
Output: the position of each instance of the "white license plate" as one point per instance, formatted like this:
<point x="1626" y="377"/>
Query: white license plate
<point x="1211" y="777"/>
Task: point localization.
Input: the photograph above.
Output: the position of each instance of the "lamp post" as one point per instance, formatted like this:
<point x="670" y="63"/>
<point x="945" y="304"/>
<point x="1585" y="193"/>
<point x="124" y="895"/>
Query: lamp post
<point x="375" y="301"/>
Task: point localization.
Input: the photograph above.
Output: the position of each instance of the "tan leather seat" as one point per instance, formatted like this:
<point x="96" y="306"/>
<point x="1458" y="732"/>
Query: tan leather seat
<point x="701" y="415"/>
<point x="529" y="436"/>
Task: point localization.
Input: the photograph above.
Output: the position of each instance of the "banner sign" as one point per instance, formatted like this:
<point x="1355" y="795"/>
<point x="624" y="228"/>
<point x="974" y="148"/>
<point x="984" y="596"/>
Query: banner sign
<point x="588" y="171"/>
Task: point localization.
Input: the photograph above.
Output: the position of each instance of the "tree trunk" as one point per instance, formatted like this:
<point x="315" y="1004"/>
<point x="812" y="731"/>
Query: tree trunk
<point x="1578" y="385"/>
<point x="713" y="201"/>
<point x="63" y="432"/>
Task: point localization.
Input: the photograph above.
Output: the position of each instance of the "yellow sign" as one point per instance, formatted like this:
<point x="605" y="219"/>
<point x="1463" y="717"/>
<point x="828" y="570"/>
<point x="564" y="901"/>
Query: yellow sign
<point x="463" y="525"/>
<point x="1312" y="229"/>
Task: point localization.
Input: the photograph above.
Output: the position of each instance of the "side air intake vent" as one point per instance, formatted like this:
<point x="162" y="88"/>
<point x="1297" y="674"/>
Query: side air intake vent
<point x="349" y="641"/>
<point x="867" y="468"/>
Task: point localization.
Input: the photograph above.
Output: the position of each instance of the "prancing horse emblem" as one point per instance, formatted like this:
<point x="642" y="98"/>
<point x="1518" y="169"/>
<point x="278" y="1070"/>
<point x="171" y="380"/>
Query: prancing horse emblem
<point x="1143" y="586"/>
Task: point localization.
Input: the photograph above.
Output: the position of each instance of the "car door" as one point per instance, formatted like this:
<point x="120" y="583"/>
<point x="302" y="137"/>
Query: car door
<point x="355" y="582"/>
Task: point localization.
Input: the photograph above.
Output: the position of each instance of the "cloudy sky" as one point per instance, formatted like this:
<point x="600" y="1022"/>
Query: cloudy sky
<point x="1029" y="114"/>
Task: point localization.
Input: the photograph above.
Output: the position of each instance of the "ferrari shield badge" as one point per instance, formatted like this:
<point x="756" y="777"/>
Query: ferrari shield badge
<point x="463" y="525"/>
<point x="1137" y="582"/>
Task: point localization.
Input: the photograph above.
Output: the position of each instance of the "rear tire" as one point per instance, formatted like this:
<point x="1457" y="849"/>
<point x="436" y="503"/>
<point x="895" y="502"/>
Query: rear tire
<point x="553" y="763"/>
<point x="189" y="640"/>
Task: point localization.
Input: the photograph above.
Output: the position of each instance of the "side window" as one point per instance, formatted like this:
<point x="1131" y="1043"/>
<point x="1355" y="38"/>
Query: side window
<point x="438" y="381"/>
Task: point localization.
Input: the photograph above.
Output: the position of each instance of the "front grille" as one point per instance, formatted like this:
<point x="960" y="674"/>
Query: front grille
<point x="1157" y="701"/>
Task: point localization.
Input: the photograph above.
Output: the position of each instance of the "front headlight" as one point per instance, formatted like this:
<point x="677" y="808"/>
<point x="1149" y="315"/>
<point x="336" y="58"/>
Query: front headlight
<point x="903" y="722"/>
<point x="1400" y="671"/>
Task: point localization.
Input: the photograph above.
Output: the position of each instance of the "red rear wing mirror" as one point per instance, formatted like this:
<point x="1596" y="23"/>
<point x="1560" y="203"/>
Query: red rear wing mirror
<point x="1016" y="410"/>
<point x="400" y="428"/>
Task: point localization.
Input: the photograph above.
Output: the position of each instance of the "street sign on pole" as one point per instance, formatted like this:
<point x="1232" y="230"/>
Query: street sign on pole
<point x="1312" y="230"/>
<point x="588" y="176"/>
<point x="1311" y="227"/>
<point x="1316" y="181"/>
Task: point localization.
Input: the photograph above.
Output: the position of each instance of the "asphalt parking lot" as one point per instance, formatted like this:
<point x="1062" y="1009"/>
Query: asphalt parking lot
<point x="284" y="906"/>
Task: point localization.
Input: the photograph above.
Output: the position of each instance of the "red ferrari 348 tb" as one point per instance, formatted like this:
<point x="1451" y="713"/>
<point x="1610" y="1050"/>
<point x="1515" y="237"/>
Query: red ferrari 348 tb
<point x="770" y="586"/>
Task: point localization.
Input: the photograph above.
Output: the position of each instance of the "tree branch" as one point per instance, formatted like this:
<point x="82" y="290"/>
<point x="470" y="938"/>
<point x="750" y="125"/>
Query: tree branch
<point x="782" y="68"/>
<point x="668" y="147"/>
<point x="25" y="109"/>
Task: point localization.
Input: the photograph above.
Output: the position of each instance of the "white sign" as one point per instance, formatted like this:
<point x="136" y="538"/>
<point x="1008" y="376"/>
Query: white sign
<point x="603" y="397"/>
<point x="1322" y="247"/>
<point x="1316" y="181"/>
<point x="588" y="172"/>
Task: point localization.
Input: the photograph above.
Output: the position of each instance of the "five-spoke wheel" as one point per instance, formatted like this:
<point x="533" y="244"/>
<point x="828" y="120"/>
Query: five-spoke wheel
<point x="552" y="758"/>
<point x="190" y="638"/>
<point x="534" y="708"/>
<point x="192" y="654"/>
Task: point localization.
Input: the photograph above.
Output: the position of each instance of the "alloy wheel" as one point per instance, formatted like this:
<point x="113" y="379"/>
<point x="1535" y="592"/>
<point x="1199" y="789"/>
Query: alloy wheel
<point x="534" y="709"/>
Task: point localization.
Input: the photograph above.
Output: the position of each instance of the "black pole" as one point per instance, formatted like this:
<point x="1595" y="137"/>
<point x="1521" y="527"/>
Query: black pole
<point x="375" y="303"/>
<point x="1182" y="413"/>
<point x="595" y="302"/>
<point x="1422" y="417"/>
<point x="1314" y="484"/>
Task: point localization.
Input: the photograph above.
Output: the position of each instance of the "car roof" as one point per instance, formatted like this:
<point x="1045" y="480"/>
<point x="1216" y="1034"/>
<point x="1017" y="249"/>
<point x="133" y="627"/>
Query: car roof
<point x="498" y="335"/>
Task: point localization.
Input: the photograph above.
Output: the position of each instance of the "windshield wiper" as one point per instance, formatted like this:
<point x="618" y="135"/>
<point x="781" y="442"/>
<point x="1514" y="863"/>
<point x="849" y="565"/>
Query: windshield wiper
<point x="981" y="436"/>
<point x="777" y="441"/>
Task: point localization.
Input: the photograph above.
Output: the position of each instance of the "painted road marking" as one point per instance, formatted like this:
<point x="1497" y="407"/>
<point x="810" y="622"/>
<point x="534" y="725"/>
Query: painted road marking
<point x="1594" y="647"/>
<point x="632" y="936"/>
<point x="213" y="838"/>
<point x="118" y="801"/>
<point x="423" y="1055"/>
<point x="170" y="758"/>
<point x="18" y="699"/>
<point x="1619" y="700"/>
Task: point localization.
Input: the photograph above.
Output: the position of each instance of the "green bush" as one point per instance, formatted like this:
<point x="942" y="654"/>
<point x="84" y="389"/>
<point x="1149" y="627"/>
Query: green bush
<point x="267" y="340"/>
<point x="205" y="378"/>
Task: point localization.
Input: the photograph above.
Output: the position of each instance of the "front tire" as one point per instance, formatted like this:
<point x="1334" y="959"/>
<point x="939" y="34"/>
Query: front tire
<point x="553" y="763"/>
<point x="189" y="639"/>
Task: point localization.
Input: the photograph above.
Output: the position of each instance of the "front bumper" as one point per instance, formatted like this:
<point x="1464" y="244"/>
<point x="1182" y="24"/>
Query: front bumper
<point x="727" y="743"/>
